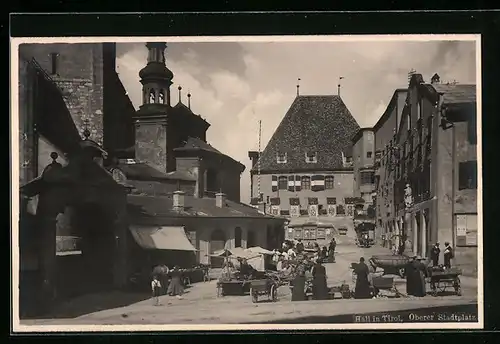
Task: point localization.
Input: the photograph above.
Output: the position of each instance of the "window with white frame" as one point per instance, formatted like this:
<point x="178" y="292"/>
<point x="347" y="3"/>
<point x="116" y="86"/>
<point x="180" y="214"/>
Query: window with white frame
<point x="311" y="157"/>
<point x="281" y="158"/>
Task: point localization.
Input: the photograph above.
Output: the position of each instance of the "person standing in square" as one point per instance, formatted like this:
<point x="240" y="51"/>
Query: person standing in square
<point x="156" y="289"/>
<point x="448" y="255"/>
<point x="435" y="251"/>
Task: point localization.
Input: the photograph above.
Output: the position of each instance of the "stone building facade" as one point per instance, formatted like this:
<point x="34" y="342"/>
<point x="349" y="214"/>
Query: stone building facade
<point x="305" y="173"/>
<point x="385" y="136"/>
<point x="80" y="179"/>
<point x="363" y="154"/>
<point x="435" y="163"/>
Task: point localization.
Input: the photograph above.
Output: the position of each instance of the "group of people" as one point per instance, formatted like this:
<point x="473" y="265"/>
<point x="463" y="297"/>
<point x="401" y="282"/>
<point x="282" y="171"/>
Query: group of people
<point x="242" y="267"/>
<point x="447" y="254"/>
<point x="289" y="251"/>
<point x="163" y="277"/>
<point x="292" y="260"/>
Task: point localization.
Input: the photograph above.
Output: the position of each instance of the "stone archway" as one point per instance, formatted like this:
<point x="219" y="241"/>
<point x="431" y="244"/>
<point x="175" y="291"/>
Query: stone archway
<point x="95" y="197"/>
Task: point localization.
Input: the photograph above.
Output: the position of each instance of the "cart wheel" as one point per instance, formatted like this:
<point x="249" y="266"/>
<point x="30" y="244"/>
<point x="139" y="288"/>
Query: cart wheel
<point x="434" y="290"/>
<point x="458" y="288"/>
<point x="255" y="296"/>
<point x="274" y="293"/>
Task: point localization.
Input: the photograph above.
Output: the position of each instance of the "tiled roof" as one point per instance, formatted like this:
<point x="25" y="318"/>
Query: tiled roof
<point x="196" y="144"/>
<point x="456" y="93"/>
<point x="151" y="206"/>
<point x="142" y="171"/>
<point x="313" y="124"/>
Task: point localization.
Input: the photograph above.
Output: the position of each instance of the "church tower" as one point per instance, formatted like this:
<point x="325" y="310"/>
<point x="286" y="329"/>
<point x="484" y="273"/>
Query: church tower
<point x="151" y="119"/>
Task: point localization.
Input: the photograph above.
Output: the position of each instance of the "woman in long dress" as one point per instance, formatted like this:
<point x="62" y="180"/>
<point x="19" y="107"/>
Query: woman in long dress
<point x="319" y="286"/>
<point x="362" y="289"/>
<point x="175" y="288"/>
<point x="299" y="284"/>
<point x="420" y="272"/>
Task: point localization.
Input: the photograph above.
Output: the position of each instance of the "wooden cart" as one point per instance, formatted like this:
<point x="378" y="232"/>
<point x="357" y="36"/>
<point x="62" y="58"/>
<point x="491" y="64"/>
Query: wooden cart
<point x="384" y="283"/>
<point x="232" y="287"/>
<point x="266" y="286"/>
<point x="392" y="264"/>
<point x="441" y="280"/>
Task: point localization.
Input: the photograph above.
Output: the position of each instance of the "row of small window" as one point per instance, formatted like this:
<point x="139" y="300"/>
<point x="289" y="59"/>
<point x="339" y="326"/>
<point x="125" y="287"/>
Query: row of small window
<point x="314" y="201"/>
<point x="310" y="158"/>
<point x="331" y="210"/>
<point x="298" y="183"/>
<point x="306" y="234"/>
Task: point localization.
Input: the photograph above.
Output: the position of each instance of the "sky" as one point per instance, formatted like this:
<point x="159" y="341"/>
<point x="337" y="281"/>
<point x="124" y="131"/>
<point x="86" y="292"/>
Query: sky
<point x="236" y="84"/>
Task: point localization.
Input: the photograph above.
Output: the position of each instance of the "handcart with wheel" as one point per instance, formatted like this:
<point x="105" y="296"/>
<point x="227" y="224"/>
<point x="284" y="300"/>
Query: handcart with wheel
<point x="232" y="287"/>
<point x="268" y="286"/>
<point x="392" y="264"/>
<point x="440" y="279"/>
<point x="385" y="283"/>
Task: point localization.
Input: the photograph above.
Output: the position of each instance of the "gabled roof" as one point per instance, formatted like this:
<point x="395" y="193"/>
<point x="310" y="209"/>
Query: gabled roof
<point x="152" y="206"/>
<point x="313" y="124"/>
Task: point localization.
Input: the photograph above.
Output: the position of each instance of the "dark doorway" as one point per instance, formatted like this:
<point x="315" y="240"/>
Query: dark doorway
<point x="217" y="242"/>
<point x="237" y="237"/>
<point x="251" y="239"/>
<point x="98" y="242"/>
<point x="212" y="181"/>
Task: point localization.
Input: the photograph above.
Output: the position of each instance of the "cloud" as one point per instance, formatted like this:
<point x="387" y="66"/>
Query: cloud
<point x="236" y="84"/>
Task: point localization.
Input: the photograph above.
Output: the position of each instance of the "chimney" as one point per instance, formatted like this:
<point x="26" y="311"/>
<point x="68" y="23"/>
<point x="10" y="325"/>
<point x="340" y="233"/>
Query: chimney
<point x="179" y="200"/>
<point x="220" y="200"/>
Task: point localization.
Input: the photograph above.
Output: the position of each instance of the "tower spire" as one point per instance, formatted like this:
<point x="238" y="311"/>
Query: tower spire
<point x="155" y="77"/>
<point x="189" y="100"/>
<point x="298" y="86"/>
<point x="180" y="96"/>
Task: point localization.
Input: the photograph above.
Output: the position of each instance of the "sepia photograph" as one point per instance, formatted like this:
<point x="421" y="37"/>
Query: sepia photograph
<point x="211" y="183"/>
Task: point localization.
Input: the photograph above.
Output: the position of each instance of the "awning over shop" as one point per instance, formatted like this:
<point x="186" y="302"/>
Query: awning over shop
<point x="162" y="238"/>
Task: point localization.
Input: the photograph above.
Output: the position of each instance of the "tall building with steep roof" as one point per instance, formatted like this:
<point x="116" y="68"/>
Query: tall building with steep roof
<point x="305" y="172"/>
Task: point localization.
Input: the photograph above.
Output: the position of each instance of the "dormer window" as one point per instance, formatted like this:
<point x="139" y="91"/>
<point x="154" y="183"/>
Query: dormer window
<point x="281" y="158"/>
<point x="312" y="158"/>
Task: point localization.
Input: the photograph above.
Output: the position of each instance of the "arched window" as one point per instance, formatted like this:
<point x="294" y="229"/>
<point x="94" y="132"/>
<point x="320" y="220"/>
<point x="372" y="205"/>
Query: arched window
<point x="161" y="97"/>
<point x="217" y="243"/>
<point x="217" y="240"/>
<point x="152" y="97"/>
<point x="237" y="237"/>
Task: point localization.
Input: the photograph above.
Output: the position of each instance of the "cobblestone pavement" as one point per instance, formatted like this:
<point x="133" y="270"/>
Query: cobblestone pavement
<point x="200" y="304"/>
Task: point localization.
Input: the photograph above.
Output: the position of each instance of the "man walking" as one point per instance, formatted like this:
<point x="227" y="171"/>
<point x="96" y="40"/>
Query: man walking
<point x="331" y="250"/>
<point x="448" y="255"/>
<point x="435" y="251"/>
